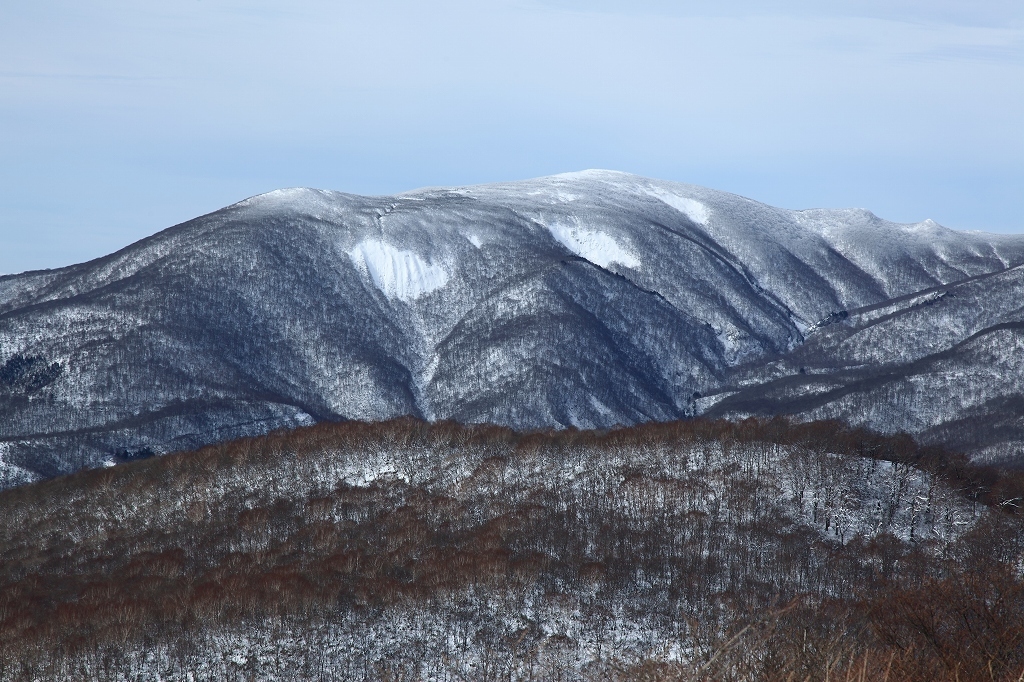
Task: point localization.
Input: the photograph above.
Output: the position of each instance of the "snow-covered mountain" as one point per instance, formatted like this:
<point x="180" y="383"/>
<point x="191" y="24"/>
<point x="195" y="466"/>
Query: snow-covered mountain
<point x="946" y="364"/>
<point x="585" y="299"/>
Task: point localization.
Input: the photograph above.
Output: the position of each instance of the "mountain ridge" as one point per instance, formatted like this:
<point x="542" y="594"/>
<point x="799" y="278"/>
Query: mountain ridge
<point x="586" y="299"/>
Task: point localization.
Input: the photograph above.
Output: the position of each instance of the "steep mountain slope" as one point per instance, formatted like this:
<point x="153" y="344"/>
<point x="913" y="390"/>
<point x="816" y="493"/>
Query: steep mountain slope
<point x="586" y="299"/>
<point x="946" y="364"/>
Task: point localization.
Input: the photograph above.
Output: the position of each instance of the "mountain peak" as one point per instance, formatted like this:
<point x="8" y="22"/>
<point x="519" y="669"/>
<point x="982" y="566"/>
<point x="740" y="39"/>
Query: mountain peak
<point x="585" y="299"/>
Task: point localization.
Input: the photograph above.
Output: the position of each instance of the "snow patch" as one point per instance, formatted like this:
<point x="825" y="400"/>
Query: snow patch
<point x="276" y="197"/>
<point x="691" y="208"/>
<point x="601" y="408"/>
<point x="399" y="274"/>
<point x="925" y="225"/>
<point x="597" y="247"/>
<point x="475" y="240"/>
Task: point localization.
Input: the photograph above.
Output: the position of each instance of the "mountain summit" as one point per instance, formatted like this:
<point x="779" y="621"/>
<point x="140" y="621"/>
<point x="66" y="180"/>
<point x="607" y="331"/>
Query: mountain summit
<point x="585" y="300"/>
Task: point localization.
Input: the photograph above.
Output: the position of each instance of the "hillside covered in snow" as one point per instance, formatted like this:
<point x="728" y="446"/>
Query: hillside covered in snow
<point x="683" y="551"/>
<point x="587" y="300"/>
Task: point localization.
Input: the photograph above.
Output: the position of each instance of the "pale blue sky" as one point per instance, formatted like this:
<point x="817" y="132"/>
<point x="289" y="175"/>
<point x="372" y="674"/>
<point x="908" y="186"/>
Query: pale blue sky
<point x="119" y="118"/>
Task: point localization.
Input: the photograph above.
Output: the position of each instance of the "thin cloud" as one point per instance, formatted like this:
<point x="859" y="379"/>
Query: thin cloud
<point x="1012" y="53"/>
<point x="990" y="13"/>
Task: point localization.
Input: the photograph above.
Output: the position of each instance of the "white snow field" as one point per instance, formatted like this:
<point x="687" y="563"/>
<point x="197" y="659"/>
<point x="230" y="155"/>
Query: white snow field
<point x="399" y="274"/>
<point x="597" y="247"/>
<point x="691" y="208"/>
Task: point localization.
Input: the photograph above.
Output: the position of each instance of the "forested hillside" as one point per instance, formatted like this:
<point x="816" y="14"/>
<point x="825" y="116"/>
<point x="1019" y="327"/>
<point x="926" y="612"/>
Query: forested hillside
<point x="946" y="364"/>
<point x="756" y="550"/>
<point x="583" y="300"/>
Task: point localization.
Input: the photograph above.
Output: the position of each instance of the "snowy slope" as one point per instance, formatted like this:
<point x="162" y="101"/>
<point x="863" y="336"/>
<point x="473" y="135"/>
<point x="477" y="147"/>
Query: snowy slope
<point x="946" y="364"/>
<point x="585" y="299"/>
<point x="612" y="544"/>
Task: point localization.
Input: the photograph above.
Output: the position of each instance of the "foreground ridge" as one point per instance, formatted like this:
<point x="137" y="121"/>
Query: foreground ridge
<point x="686" y="550"/>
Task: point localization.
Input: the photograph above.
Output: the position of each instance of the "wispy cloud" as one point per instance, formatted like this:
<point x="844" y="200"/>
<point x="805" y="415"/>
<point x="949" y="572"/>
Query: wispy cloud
<point x="42" y="75"/>
<point x="992" y="13"/>
<point x="1010" y="53"/>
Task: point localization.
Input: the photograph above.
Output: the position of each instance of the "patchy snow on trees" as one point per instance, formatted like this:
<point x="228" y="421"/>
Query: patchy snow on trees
<point x="418" y="551"/>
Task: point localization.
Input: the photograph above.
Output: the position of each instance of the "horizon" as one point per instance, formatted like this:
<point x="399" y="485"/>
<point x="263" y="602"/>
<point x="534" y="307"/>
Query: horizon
<point x="427" y="188"/>
<point x="120" y="121"/>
